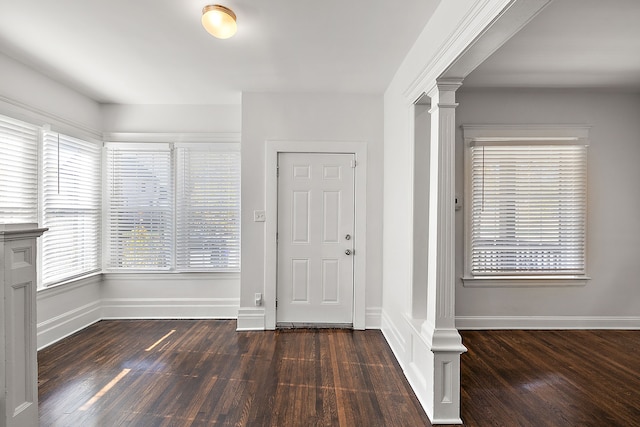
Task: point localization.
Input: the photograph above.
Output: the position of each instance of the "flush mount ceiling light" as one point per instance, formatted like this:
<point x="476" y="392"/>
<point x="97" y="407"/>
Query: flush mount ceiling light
<point x="219" y="21"/>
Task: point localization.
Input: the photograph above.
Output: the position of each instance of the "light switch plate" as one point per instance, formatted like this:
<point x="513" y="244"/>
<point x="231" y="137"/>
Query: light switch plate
<point x="259" y="216"/>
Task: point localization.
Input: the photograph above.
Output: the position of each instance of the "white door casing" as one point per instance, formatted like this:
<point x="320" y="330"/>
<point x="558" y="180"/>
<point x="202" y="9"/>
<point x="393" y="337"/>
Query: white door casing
<point x="315" y="238"/>
<point x="272" y="150"/>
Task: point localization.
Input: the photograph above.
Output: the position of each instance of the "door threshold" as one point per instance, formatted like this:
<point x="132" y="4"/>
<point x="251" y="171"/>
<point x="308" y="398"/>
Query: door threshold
<point x="311" y="325"/>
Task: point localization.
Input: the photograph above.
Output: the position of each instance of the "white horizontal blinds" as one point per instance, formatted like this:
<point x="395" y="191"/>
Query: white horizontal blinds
<point x="528" y="209"/>
<point x="140" y="193"/>
<point x="71" y="204"/>
<point x="208" y="208"/>
<point x="18" y="171"/>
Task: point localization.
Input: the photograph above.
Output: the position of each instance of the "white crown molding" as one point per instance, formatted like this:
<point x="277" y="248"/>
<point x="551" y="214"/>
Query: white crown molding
<point x="60" y="124"/>
<point x="471" y="26"/>
<point x="482" y="31"/>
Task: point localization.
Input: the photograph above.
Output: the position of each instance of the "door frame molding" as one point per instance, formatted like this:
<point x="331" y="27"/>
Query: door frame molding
<point x="272" y="149"/>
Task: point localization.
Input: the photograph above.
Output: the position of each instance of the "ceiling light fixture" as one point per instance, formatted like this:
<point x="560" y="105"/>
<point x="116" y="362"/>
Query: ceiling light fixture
<point x="219" y="21"/>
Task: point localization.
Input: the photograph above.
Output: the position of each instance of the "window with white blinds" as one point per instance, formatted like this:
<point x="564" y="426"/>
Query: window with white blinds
<point x="18" y="171"/>
<point x="208" y="207"/>
<point x="71" y="207"/>
<point x="140" y="206"/>
<point x="143" y="232"/>
<point x="527" y="208"/>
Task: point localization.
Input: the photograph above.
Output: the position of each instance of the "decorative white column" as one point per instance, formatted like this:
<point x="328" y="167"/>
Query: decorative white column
<point x="439" y="328"/>
<point x="18" y="348"/>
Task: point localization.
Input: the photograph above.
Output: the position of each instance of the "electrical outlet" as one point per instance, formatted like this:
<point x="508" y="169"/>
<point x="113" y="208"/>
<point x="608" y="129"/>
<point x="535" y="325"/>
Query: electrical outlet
<point x="258" y="299"/>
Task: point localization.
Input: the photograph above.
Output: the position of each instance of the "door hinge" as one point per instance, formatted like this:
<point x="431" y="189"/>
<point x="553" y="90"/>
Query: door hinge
<point x="277" y="171"/>
<point x="354" y="163"/>
<point x="276" y="237"/>
<point x="276" y="303"/>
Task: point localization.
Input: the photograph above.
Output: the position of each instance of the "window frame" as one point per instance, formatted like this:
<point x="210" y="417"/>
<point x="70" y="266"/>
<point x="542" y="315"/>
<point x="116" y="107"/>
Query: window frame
<point x="30" y="155"/>
<point x="174" y="140"/>
<point x="182" y="154"/>
<point x="156" y="211"/>
<point x="523" y="134"/>
<point x="69" y="139"/>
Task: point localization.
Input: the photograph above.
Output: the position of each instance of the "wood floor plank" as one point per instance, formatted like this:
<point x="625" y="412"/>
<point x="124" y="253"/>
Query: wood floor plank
<point x="205" y="373"/>
<point x="551" y="378"/>
<point x="202" y="373"/>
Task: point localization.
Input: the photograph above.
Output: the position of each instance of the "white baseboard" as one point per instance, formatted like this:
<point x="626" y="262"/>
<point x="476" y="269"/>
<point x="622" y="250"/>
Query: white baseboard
<point x="547" y="322"/>
<point x="394" y="338"/>
<point x="68" y="323"/>
<point x="251" y="319"/>
<point x="170" y="308"/>
<point x="373" y="318"/>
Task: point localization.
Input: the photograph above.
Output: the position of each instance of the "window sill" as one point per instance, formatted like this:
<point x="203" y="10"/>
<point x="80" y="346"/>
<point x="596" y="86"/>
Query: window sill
<point x="523" y="281"/>
<point x="169" y="275"/>
<point x="69" y="284"/>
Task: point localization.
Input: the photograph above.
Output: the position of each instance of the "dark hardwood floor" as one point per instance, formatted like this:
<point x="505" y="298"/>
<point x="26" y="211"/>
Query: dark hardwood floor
<point x="551" y="378"/>
<point x="201" y="373"/>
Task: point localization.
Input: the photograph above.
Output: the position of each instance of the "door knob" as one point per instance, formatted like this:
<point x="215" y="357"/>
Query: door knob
<point x="348" y="252"/>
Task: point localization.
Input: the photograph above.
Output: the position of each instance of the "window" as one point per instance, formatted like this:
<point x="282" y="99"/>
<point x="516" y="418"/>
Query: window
<point x="526" y="203"/>
<point x="140" y="191"/>
<point x="71" y="207"/>
<point x="151" y="228"/>
<point x="208" y="208"/>
<point x="18" y="171"/>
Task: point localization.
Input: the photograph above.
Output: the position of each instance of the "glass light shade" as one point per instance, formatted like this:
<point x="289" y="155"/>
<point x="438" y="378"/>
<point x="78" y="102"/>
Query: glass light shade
<point x="219" y="21"/>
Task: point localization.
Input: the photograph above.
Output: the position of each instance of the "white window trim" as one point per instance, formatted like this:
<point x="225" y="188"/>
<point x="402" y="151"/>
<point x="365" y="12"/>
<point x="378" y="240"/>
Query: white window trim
<point x="473" y="134"/>
<point x="149" y="140"/>
<point x="41" y="208"/>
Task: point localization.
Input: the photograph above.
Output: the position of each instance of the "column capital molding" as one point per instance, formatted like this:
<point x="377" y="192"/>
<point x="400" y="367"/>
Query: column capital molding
<point x="443" y="86"/>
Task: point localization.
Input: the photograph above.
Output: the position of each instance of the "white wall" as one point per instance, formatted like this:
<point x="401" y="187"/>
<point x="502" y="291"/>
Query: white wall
<point x="170" y="296"/>
<point x="308" y="117"/>
<point x="28" y="95"/>
<point x="610" y="298"/>
<point x="171" y="118"/>
<point x="174" y="295"/>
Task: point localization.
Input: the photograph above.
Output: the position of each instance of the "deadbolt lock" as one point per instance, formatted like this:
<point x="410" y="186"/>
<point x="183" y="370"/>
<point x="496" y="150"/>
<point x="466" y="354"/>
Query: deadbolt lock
<point x="347" y="237"/>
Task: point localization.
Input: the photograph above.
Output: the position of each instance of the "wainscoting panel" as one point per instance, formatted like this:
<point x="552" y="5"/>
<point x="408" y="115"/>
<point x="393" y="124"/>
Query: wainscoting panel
<point x="66" y="309"/>
<point x="170" y="308"/>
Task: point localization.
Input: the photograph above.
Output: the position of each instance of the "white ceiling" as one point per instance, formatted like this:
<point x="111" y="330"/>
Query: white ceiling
<point x="156" y="52"/>
<point x="572" y="44"/>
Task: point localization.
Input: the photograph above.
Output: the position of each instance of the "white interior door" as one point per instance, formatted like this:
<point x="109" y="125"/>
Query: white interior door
<point x="315" y="238"/>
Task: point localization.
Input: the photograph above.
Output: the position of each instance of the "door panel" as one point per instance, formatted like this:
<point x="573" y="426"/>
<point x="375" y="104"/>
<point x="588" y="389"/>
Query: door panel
<point x="315" y="214"/>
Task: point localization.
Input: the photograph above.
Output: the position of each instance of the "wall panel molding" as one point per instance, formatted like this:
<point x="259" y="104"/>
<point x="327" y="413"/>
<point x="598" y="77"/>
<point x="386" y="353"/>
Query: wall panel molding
<point x="56" y="328"/>
<point x="170" y="308"/>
